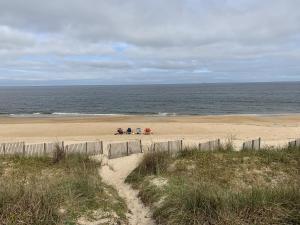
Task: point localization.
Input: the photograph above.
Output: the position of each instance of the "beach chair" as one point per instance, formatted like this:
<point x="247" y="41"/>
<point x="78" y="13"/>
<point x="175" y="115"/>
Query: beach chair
<point x="147" y="131"/>
<point x="138" y="131"/>
<point x="119" y="131"/>
<point x="129" y="131"/>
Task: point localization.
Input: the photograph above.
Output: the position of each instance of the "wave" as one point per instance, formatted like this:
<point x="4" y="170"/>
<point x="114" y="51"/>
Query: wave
<point x="76" y="114"/>
<point x="166" y="114"/>
<point x="159" y="114"/>
<point x="86" y="114"/>
<point x="60" y="114"/>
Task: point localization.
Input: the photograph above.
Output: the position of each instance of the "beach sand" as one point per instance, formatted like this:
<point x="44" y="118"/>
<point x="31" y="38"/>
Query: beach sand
<point x="273" y="129"/>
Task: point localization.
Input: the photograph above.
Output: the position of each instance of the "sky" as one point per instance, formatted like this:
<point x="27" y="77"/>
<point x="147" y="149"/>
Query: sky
<point x="65" y="42"/>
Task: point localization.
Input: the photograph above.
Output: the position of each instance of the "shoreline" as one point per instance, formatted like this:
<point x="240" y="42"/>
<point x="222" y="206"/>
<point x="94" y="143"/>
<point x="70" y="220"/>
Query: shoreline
<point x="229" y="118"/>
<point x="163" y="115"/>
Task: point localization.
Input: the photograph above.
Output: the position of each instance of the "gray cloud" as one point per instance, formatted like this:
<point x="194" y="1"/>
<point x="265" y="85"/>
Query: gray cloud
<point x="137" y="40"/>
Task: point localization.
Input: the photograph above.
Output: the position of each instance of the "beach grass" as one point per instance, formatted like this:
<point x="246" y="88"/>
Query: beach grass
<point x="61" y="191"/>
<point x="221" y="187"/>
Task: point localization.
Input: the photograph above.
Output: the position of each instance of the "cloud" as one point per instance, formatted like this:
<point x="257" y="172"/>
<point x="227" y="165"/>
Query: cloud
<point x="139" y="40"/>
<point x="11" y="39"/>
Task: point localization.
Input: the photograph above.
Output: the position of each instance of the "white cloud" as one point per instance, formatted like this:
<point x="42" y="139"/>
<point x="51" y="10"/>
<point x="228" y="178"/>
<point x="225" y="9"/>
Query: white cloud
<point x="139" y="39"/>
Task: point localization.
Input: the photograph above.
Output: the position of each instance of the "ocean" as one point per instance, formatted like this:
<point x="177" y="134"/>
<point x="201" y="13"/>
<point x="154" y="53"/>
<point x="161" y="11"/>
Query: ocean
<point x="156" y="100"/>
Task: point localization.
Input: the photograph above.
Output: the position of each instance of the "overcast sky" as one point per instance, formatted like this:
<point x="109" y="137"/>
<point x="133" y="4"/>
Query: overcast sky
<point x="46" y="42"/>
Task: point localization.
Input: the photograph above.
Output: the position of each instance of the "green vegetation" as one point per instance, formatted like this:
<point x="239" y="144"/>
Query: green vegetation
<point x="222" y="186"/>
<point x="55" y="191"/>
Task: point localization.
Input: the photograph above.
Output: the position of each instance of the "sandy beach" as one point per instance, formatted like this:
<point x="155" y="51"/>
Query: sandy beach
<point x="273" y="129"/>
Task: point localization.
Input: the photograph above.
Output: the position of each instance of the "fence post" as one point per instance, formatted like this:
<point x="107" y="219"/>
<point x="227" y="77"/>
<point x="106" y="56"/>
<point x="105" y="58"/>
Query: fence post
<point x="259" y="142"/>
<point x="45" y="149"/>
<point x="252" y="145"/>
<point x="181" y="145"/>
<point x="169" y="147"/>
<point x="141" y="145"/>
<point x="127" y="147"/>
<point x="101" y="151"/>
<point x="86" y="148"/>
<point x="4" y="149"/>
<point x="24" y="149"/>
<point x="199" y="146"/>
<point x="219" y="144"/>
<point x="109" y="151"/>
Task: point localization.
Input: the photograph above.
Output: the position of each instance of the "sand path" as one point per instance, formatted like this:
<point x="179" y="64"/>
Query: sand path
<point x="114" y="173"/>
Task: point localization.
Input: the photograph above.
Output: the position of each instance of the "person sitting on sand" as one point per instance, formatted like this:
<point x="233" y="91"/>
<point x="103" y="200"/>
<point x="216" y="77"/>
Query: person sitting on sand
<point x="147" y="131"/>
<point x="119" y="131"/>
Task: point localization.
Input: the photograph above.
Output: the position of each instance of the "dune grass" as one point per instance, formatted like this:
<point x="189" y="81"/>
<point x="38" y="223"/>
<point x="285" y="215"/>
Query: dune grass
<point x="46" y="191"/>
<point x="222" y="186"/>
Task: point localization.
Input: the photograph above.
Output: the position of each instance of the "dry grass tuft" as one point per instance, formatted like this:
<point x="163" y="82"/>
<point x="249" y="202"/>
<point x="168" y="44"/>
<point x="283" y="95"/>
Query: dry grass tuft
<point x="40" y="191"/>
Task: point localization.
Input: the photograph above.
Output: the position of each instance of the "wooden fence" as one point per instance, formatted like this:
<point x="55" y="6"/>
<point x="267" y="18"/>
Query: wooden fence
<point x="294" y="144"/>
<point x="252" y="144"/>
<point x="88" y="148"/>
<point x="172" y="147"/>
<point x="47" y="149"/>
<point x="210" y="145"/>
<point x="117" y="150"/>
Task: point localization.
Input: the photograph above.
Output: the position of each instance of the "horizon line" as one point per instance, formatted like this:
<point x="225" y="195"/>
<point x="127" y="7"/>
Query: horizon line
<point x="149" y="84"/>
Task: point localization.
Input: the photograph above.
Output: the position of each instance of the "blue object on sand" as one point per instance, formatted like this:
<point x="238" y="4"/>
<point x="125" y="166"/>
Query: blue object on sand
<point x="129" y="131"/>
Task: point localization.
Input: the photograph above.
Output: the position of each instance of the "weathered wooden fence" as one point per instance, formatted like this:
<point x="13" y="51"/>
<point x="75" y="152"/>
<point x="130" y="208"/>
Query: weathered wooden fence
<point x="117" y="150"/>
<point x="210" y="145"/>
<point x="35" y="150"/>
<point x="88" y="148"/>
<point x="172" y="147"/>
<point x="47" y="149"/>
<point x="294" y="144"/>
<point x="175" y="146"/>
<point x="252" y="144"/>
<point x="12" y="148"/>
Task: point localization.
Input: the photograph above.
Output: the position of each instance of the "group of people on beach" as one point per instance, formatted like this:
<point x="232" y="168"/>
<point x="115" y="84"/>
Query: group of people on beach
<point x="147" y="131"/>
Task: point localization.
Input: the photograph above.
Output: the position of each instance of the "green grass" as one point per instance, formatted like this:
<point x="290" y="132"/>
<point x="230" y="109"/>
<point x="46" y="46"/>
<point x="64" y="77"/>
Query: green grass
<point x="41" y="191"/>
<point x="221" y="187"/>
